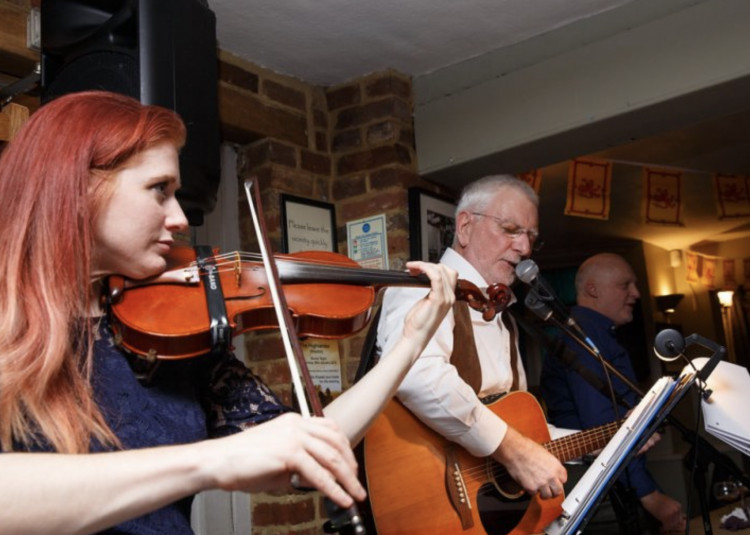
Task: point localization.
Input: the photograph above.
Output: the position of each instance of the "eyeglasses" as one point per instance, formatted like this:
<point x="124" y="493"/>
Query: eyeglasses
<point x="514" y="231"/>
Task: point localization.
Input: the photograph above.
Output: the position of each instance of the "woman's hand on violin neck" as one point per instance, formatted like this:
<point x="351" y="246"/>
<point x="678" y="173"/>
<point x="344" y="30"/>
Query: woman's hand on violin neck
<point x="265" y="458"/>
<point x="425" y="316"/>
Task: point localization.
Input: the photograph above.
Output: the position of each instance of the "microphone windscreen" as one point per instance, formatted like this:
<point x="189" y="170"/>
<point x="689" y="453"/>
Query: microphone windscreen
<point x="669" y="345"/>
<point x="527" y="271"/>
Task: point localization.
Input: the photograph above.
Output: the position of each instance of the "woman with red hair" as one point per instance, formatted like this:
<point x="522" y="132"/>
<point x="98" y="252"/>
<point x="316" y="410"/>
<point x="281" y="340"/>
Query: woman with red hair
<point x="88" y="188"/>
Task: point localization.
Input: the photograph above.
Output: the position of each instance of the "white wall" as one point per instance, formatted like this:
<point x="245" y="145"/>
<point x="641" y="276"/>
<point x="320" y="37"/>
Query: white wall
<point x="624" y="69"/>
<point x="218" y="512"/>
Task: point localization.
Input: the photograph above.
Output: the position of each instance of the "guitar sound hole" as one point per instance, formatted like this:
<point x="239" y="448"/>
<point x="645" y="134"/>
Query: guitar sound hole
<point x="500" y="514"/>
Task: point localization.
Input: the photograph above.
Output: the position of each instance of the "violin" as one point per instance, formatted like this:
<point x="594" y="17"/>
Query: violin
<point x="203" y="299"/>
<point x="328" y="294"/>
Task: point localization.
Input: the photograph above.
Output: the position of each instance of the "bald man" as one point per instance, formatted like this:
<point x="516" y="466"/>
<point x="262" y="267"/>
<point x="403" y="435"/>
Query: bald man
<point x="606" y="294"/>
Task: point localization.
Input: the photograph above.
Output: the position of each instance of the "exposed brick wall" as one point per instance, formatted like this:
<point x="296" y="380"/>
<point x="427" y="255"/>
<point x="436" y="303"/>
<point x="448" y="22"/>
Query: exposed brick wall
<point x="372" y="138"/>
<point x="351" y="145"/>
<point x="287" y="153"/>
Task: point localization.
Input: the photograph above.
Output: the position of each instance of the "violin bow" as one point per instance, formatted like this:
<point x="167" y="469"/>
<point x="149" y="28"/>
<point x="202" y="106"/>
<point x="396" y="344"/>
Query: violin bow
<point x="293" y="349"/>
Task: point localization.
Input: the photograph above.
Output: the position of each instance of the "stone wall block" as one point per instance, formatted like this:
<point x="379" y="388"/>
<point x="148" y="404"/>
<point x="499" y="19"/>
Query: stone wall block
<point x="340" y="97"/>
<point x="232" y="74"/>
<point x="284" y="95"/>
<point x="373" y="203"/>
<point x="390" y="84"/>
<point x="385" y="108"/>
<point x="351" y="186"/>
<point x="347" y="140"/>
<point x="315" y="162"/>
<point x="374" y="158"/>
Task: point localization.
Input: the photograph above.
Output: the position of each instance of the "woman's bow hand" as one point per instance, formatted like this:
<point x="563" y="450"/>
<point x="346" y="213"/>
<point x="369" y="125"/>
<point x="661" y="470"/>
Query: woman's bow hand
<point x="288" y="451"/>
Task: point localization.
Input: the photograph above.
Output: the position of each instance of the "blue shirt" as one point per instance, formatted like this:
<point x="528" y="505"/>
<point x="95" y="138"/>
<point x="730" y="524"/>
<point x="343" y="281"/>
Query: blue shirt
<point x="185" y="401"/>
<point x="573" y="403"/>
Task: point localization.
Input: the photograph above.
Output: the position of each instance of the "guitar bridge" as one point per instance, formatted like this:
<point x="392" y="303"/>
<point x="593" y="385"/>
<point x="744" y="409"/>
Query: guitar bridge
<point x="456" y="487"/>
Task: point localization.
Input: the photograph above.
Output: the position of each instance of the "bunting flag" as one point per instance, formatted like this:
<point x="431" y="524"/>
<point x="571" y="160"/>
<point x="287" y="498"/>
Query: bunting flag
<point x="731" y="192"/>
<point x="714" y="272"/>
<point x="729" y="280"/>
<point x="532" y="178"/>
<point x="693" y="265"/>
<point x="662" y="196"/>
<point x="708" y="277"/>
<point x="589" y="188"/>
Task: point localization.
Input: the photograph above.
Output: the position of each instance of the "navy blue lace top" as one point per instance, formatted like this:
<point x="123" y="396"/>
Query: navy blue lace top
<point x="184" y="401"/>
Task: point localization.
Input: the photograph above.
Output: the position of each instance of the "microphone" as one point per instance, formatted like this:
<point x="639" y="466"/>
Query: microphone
<point x="543" y="301"/>
<point x="535" y="304"/>
<point x="669" y="345"/>
<point x="528" y="272"/>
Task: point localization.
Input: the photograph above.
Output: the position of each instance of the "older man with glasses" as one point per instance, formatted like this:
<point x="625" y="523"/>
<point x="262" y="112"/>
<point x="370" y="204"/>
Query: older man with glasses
<point x="496" y="228"/>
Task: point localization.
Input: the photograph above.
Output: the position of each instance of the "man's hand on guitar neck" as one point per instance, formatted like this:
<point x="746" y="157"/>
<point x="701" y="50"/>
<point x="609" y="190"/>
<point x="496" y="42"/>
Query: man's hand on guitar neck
<point x="530" y="465"/>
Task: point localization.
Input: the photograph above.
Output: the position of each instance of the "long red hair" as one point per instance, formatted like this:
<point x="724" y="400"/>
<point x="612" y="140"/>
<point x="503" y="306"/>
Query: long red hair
<point x="54" y="181"/>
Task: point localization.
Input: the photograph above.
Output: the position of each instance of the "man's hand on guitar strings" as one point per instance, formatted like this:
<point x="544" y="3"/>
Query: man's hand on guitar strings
<point x="532" y="466"/>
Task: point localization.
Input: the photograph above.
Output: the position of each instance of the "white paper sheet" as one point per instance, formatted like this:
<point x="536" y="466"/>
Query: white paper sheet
<point x="727" y="411"/>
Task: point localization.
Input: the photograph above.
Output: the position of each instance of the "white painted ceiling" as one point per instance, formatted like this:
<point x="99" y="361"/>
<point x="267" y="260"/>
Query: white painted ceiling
<point x="326" y="42"/>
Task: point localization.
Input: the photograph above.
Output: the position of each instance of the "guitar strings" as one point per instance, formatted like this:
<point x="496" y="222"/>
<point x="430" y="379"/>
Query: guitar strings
<point x="565" y="449"/>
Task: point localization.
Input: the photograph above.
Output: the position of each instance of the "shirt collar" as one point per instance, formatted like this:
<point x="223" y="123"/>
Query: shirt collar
<point x="589" y="315"/>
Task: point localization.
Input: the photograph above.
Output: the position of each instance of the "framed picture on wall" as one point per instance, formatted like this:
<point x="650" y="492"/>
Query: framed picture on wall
<point x="432" y="224"/>
<point x="307" y="225"/>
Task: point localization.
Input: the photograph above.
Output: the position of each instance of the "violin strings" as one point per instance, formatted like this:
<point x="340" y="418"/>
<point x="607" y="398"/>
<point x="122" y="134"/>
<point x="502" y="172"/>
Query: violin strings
<point x="230" y="259"/>
<point x="227" y="262"/>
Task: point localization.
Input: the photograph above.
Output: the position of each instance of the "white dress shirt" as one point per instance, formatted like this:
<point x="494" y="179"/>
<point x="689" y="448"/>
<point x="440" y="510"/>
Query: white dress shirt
<point x="432" y="389"/>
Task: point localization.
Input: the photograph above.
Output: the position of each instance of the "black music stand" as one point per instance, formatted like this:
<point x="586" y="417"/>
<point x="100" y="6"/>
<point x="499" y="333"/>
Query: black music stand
<point x="575" y="520"/>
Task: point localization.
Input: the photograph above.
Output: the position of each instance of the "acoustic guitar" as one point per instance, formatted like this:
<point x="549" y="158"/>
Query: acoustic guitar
<point x="420" y="483"/>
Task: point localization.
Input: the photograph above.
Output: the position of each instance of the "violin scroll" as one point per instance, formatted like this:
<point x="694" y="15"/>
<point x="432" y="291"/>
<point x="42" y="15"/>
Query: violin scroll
<point x="498" y="297"/>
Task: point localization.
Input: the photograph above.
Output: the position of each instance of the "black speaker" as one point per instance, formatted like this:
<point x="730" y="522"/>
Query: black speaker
<point x="161" y="52"/>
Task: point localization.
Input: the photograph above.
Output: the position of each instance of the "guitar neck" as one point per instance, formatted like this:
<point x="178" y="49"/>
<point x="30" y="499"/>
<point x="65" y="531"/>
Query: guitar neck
<point x="579" y="444"/>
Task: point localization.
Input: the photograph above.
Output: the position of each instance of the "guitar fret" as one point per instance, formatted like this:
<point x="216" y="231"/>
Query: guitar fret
<point x="578" y="444"/>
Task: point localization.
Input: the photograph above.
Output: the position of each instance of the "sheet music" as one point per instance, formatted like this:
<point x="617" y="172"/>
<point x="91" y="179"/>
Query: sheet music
<point x="725" y="412"/>
<point x="588" y="489"/>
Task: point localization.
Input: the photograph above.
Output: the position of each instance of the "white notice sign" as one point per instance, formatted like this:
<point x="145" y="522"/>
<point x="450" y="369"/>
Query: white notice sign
<point x="367" y="243"/>
<point x="324" y="363"/>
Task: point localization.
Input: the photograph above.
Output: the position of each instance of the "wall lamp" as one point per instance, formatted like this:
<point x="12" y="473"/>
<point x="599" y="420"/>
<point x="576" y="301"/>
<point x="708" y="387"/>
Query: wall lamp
<point x="725" y="298"/>
<point x="667" y="304"/>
